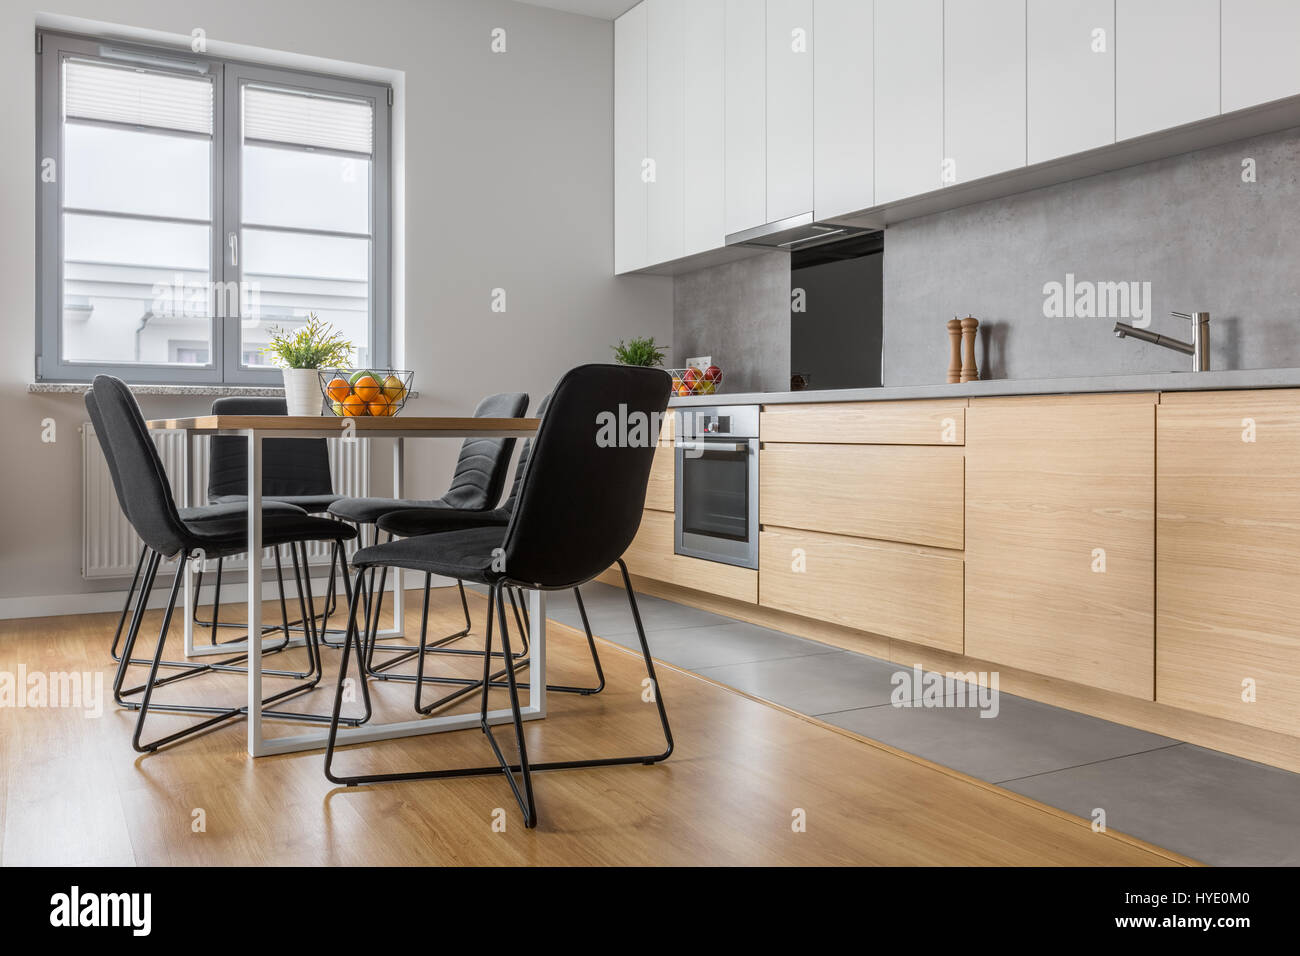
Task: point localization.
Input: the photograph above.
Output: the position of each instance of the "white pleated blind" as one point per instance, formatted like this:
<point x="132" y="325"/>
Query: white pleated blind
<point x="296" y="119"/>
<point x="118" y="94"/>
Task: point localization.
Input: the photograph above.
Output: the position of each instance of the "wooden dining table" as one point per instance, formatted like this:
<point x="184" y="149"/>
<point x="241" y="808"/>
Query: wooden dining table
<point x="258" y="428"/>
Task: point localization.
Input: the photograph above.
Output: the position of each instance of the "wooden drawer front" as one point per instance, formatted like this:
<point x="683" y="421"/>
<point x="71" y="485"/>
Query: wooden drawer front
<point x="659" y="492"/>
<point x="889" y="589"/>
<point x="1049" y="488"/>
<point x="866" y="423"/>
<point x="651" y="555"/>
<point x="1227" y="559"/>
<point x="913" y="495"/>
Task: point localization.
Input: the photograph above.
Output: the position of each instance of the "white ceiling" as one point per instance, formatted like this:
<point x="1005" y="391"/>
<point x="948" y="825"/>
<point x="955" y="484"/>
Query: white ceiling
<point x="602" y="9"/>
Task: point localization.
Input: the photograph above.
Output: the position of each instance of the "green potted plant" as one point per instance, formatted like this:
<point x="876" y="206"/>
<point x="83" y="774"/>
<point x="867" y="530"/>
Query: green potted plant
<point x="300" y="353"/>
<point x="641" y="352"/>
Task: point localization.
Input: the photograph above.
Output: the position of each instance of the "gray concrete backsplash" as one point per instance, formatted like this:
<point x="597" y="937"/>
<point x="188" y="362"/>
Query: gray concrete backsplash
<point x="739" y="313"/>
<point x="1204" y="240"/>
<point x="1180" y="234"/>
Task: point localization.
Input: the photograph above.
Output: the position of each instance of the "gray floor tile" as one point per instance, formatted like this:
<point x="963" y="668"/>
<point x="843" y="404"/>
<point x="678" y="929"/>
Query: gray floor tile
<point x="1219" y="809"/>
<point x="718" y="644"/>
<point x="608" y="611"/>
<point x="1025" y="737"/>
<point x="815" y="684"/>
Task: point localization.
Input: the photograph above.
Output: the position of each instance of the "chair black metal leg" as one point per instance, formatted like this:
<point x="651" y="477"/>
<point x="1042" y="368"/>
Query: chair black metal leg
<point x="467" y="685"/>
<point x="658" y="695"/>
<point x="130" y="593"/>
<point x="340" y="558"/>
<point x="526" y="802"/>
<point x="354" y="641"/>
<point x="595" y="657"/>
<point x="153" y="677"/>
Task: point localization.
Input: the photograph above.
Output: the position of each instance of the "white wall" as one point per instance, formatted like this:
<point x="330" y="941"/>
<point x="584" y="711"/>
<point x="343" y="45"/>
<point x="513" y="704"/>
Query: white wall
<point x="504" y="180"/>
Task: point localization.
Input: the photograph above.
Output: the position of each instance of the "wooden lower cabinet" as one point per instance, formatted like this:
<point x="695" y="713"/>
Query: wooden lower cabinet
<point x="885" y="492"/>
<point x="1053" y="490"/>
<point x="659" y="493"/>
<point x="651" y="555"/>
<point x="1228" y="557"/>
<point x="866" y="423"/>
<point x="895" y="590"/>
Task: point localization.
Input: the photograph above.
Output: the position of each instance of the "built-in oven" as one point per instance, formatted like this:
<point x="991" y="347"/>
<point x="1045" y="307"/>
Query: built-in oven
<point x="716" y="484"/>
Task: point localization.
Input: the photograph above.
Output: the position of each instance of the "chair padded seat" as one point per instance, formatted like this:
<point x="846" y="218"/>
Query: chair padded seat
<point x="312" y="504"/>
<point x="466" y="555"/>
<point x="230" y="509"/>
<point x="370" y="510"/>
<point x="416" y="521"/>
<point x="225" y="536"/>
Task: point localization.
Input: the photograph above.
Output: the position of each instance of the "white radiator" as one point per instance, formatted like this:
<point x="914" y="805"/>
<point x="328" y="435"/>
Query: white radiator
<point x="109" y="545"/>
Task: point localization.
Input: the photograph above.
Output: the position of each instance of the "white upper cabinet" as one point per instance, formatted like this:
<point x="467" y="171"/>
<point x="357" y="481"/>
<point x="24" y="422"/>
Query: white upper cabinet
<point x="745" y="114"/>
<point x="789" y="108"/>
<point x="983" y="88"/>
<point x="1166" y="64"/>
<point x="666" y="34"/>
<point x="1261" y="52"/>
<point x="703" y="214"/>
<point x="1071" y="72"/>
<point x="843" y="107"/>
<point x="909" y="98"/>
<point x="630" y="100"/>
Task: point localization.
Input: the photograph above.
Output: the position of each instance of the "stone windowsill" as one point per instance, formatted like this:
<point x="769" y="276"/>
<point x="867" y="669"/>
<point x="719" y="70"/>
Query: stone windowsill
<point x="195" y="391"/>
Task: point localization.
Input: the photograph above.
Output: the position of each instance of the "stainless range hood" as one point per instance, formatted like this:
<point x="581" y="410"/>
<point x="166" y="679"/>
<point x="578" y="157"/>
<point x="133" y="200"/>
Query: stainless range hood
<point x="797" y="232"/>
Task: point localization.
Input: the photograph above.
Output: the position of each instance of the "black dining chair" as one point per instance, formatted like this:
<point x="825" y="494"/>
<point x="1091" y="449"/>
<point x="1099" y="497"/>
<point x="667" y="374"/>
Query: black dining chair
<point x="145" y="493"/>
<point x="295" y="472"/>
<point x="199" y="514"/>
<point x="476" y="486"/>
<point x="408" y="524"/>
<point x="577" y="511"/>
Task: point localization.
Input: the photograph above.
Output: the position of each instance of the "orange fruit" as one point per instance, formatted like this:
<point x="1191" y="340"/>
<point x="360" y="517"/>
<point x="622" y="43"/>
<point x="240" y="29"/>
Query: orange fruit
<point x="338" y="389"/>
<point x="366" y="388"/>
<point x="381" y="406"/>
<point x="354" y="406"/>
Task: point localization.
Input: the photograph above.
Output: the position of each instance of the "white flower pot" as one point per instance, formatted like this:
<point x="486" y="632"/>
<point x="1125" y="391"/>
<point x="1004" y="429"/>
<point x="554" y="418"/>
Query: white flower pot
<point x="302" y="391"/>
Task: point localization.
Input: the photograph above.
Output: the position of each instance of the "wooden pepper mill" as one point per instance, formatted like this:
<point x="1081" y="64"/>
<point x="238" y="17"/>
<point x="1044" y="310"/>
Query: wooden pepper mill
<point x="954" y="360"/>
<point x="969" y="370"/>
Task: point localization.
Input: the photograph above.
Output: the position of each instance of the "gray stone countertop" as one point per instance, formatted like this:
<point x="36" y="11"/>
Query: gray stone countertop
<point x="1150" y="382"/>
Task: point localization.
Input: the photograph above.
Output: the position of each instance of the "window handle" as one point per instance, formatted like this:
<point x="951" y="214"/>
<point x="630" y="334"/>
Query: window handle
<point x="233" y="241"/>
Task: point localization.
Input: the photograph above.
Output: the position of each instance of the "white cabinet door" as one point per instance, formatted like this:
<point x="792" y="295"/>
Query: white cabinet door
<point x="1261" y="52"/>
<point x="983" y="87"/>
<point x="843" y="107"/>
<point x="704" y="223"/>
<point x="789" y="108"/>
<point x="630" y="140"/>
<point x="1166" y="64"/>
<point x="666" y="32"/>
<point x="746" y="114"/>
<point x="909" y="98"/>
<point x="1071" y="72"/>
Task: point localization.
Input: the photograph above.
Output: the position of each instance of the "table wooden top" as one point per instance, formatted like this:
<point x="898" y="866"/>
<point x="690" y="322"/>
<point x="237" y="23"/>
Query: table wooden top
<point x="397" y="424"/>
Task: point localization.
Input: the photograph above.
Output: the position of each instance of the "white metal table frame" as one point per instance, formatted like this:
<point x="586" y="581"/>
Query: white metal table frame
<point x="258" y="744"/>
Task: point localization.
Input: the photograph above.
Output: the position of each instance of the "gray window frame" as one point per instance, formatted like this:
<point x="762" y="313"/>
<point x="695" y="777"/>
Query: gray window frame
<point x="225" y="366"/>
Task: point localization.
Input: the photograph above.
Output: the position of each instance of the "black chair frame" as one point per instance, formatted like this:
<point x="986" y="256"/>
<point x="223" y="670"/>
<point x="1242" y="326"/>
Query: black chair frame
<point x="523" y="786"/>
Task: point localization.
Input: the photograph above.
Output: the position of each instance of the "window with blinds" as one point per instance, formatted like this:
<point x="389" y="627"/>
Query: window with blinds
<point x="189" y="207"/>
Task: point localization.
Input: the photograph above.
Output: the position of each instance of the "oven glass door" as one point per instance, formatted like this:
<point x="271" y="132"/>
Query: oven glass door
<point x="715" y="492"/>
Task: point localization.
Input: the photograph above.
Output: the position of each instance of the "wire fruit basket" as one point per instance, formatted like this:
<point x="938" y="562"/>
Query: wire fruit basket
<point x="696" y="381"/>
<point x="354" y="393"/>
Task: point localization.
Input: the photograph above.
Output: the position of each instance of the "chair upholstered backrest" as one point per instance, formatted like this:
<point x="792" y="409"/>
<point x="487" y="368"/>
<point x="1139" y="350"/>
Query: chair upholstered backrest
<point x="582" y="497"/>
<point x="521" y="466"/>
<point x="97" y="421"/>
<point x="290" y="466"/>
<point x="481" y="469"/>
<point x="137" y="469"/>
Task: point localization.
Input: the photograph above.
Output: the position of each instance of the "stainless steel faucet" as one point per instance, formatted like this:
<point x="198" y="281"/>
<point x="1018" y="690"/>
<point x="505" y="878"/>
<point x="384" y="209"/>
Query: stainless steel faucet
<point x="1198" y="348"/>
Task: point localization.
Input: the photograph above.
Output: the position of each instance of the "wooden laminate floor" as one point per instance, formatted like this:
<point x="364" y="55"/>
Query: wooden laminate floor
<point x="72" y="791"/>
